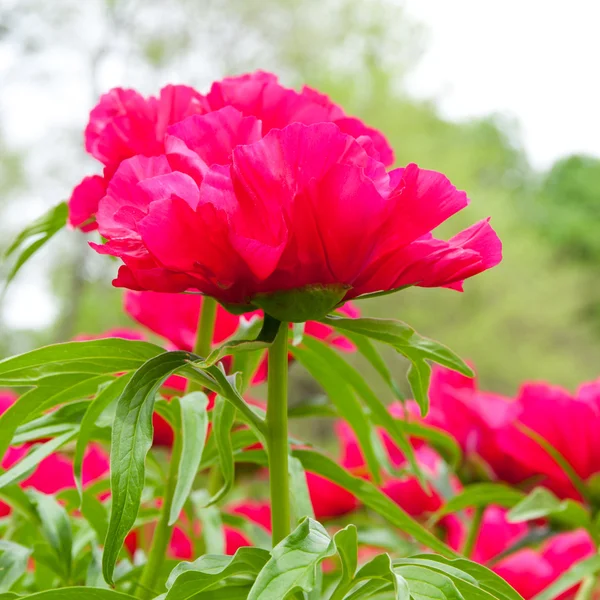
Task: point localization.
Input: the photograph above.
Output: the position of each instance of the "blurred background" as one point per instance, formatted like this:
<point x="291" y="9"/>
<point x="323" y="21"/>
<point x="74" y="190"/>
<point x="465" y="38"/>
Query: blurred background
<point x="502" y="96"/>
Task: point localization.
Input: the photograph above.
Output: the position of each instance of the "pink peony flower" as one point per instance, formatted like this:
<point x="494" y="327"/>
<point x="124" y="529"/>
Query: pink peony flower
<point x="568" y="423"/>
<point x="125" y="124"/>
<point x="528" y="570"/>
<point x="472" y="418"/>
<point x="303" y="206"/>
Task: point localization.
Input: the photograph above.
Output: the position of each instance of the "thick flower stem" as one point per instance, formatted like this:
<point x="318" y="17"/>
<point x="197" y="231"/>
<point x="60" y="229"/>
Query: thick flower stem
<point x="206" y="327"/>
<point x="277" y="435"/>
<point x="473" y="532"/>
<point x="162" y="533"/>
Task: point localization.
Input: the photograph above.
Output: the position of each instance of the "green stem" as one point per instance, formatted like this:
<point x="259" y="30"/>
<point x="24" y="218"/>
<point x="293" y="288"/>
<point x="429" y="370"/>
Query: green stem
<point x="277" y="435"/>
<point x="206" y="327"/>
<point x="587" y="588"/>
<point x="473" y="532"/>
<point x="162" y="533"/>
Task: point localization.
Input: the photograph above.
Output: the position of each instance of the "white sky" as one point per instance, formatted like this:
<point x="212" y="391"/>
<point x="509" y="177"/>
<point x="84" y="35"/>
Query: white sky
<point x="533" y="59"/>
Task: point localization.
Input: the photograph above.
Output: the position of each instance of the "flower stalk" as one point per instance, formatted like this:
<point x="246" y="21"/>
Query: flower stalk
<point x="277" y="435"/>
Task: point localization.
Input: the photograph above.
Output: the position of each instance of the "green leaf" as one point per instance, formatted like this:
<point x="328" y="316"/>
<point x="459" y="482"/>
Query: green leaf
<point x="106" y="397"/>
<point x="56" y="390"/>
<point x="188" y="579"/>
<point x="470" y="572"/>
<point x="293" y="563"/>
<point x="343" y="397"/>
<point x="131" y="440"/>
<point x="20" y="501"/>
<point x="33" y="459"/>
<point x="56" y="528"/>
<point x="446" y="446"/>
<point x="95" y="513"/>
<point x="346" y="544"/>
<point x="575" y="574"/>
<point x="381" y="567"/>
<point x="480" y="495"/>
<point x="79" y="593"/>
<point x="94" y="357"/>
<point x="223" y="418"/>
<point x="419" y="374"/>
<point x="365" y="491"/>
<point x="405" y="340"/>
<point x="210" y="520"/>
<point x="370" y="352"/>
<point x="541" y="502"/>
<point x="34" y="236"/>
<point x="300" y="496"/>
<point x="378" y="412"/>
<point x="194" y="425"/>
<point x="425" y="584"/>
<point x="13" y="563"/>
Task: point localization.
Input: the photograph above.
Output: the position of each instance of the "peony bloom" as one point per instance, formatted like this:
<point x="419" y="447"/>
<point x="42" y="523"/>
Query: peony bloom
<point x="473" y="418"/>
<point x="125" y="124"/>
<point x="122" y="125"/>
<point x="568" y="423"/>
<point x="528" y="570"/>
<point x="304" y="209"/>
<point x="329" y="500"/>
<point x="266" y="192"/>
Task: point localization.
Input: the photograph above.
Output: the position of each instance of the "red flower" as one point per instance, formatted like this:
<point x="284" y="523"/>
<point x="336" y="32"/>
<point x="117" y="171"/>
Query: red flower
<point x="473" y="418"/>
<point x="529" y="570"/>
<point x="303" y="206"/>
<point x="125" y="124"/>
<point x="568" y="423"/>
<point x="329" y="500"/>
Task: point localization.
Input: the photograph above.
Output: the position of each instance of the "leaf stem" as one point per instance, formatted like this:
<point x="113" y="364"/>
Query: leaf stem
<point x="277" y="435"/>
<point x="162" y="533"/>
<point x="473" y="532"/>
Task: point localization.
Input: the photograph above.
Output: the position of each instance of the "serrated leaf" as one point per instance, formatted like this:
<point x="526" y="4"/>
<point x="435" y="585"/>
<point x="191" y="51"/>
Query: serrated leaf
<point x="194" y="425"/>
<point x="34" y="236"/>
<point x="94" y="409"/>
<point x="541" y="502"/>
<point x="405" y="340"/>
<point x="378" y="411"/>
<point x="188" y="579"/>
<point x="13" y="563"/>
<point x="293" y="563"/>
<point x="364" y="490"/>
<point x="56" y="528"/>
<point x="480" y="495"/>
<point x="131" y="440"/>
<point x="33" y="459"/>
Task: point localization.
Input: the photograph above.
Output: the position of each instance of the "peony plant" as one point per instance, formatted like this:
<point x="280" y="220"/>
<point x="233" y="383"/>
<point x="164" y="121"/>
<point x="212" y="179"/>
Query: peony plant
<point x="250" y="223"/>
